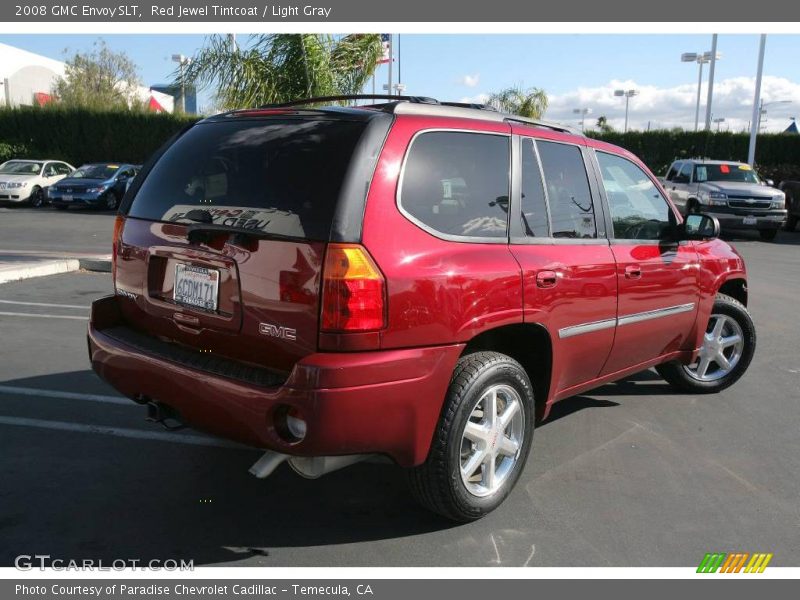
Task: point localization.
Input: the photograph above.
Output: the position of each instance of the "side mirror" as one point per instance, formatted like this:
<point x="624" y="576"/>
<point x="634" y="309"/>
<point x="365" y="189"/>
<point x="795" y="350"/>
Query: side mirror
<point x="700" y="227"/>
<point x="769" y="182"/>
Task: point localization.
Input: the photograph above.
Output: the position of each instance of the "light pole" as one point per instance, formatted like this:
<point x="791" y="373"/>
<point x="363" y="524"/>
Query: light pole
<point x="756" y="121"/>
<point x="718" y="121"/>
<point x="711" y="70"/>
<point x="183" y="62"/>
<point x="700" y="59"/>
<point x="763" y="109"/>
<point x="628" y="95"/>
<point x="582" y="112"/>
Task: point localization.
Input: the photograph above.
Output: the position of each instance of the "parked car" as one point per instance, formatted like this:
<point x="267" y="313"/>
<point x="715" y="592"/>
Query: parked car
<point x="98" y="185"/>
<point x="411" y="279"/>
<point x="28" y="180"/>
<point x="730" y="191"/>
<point x="792" y="191"/>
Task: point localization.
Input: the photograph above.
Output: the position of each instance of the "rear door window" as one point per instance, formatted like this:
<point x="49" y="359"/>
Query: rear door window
<point x="568" y="192"/>
<point x="274" y="175"/>
<point x="534" y="205"/>
<point x="456" y="183"/>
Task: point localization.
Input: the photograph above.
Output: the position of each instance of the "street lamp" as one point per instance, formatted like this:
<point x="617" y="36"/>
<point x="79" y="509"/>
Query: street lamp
<point x="183" y="62"/>
<point x="628" y="95"/>
<point x="762" y="109"/>
<point x="718" y="121"/>
<point x="700" y="59"/>
<point x="582" y="112"/>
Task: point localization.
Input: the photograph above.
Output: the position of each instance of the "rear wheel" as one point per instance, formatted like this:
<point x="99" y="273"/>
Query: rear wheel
<point x="768" y="234"/>
<point x="483" y="440"/>
<point x="728" y="347"/>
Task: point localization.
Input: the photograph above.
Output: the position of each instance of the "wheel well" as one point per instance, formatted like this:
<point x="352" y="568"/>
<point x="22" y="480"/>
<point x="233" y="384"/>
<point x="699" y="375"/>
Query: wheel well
<point x="530" y="346"/>
<point x="735" y="288"/>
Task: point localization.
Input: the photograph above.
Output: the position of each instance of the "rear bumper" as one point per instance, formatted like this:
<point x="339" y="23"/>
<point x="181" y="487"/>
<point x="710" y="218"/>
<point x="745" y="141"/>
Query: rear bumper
<point x="385" y="402"/>
<point x="773" y="219"/>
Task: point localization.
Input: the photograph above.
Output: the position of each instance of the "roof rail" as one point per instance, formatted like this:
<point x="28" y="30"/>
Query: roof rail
<point x="321" y="99"/>
<point x="545" y="124"/>
<point x="472" y="105"/>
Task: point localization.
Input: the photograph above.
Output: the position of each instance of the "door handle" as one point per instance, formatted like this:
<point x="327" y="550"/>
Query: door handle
<point x="633" y="272"/>
<point x="546" y="279"/>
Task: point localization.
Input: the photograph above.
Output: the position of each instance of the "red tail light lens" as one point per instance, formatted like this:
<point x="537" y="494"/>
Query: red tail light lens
<point x="119" y="224"/>
<point x="353" y="291"/>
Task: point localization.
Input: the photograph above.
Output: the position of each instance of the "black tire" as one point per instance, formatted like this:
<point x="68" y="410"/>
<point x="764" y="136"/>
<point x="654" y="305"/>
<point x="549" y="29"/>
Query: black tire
<point x="768" y="234"/>
<point x="112" y="201"/>
<point x="692" y="208"/>
<point x="678" y="376"/>
<point x="437" y="483"/>
<point x="61" y="207"/>
<point x="37" y="198"/>
<point x="791" y="223"/>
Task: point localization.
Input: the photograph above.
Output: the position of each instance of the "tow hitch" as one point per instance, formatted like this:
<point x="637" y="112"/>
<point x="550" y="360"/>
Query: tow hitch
<point x="163" y="414"/>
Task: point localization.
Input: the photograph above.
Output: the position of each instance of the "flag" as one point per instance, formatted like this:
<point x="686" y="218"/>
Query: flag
<point x="386" y="44"/>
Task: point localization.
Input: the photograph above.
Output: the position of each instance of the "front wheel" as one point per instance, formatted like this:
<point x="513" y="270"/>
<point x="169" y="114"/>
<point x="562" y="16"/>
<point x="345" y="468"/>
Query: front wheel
<point x="112" y="201"/>
<point x="728" y="347"/>
<point x="791" y="223"/>
<point x="768" y="234"/>
<point x="483" y="439"/>
<point x="37" y="197"/>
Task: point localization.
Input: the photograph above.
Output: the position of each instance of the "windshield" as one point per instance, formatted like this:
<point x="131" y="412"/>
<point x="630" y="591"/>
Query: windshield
<point x="19" y="167"/>
<point x="95" y="172"/>
<point x="725" y="172"/>
<point x="278" y="176"/>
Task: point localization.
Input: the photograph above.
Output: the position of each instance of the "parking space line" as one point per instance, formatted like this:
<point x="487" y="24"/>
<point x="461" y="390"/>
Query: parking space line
<point x="39" y="393"/>
<point x="158" y="436"/>
<point x="44" y="304"/>
<point x="16" y="314"/>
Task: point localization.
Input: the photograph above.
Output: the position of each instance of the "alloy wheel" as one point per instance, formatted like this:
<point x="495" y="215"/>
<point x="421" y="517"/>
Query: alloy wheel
<point x="722" y="348"/>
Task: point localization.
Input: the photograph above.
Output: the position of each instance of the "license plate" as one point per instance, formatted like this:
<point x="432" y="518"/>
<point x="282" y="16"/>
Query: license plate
<point x="196" y="286"/>
<point x="749" y="221"/>
<point x="66" y="198"/>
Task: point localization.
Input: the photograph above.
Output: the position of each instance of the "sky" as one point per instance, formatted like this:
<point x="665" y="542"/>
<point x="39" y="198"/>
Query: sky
<point x="576" y="71"/>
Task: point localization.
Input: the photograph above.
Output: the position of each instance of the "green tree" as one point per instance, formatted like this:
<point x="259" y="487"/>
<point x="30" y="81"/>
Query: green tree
<point x="531" y="103"/>
<point x="603" y="126"/>
<point x="99" y="79"/>
<point x="282" y="67"/>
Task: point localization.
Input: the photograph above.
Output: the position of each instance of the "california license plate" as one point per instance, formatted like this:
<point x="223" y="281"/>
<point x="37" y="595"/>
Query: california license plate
<point x="196" y="286"/>
<point x="749" y="221"/>
<point x="66" y="198"/>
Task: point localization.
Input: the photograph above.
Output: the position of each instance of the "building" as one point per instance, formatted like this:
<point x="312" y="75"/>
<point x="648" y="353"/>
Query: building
<point x="27" y="79"/>
<point x="189" y="91"/>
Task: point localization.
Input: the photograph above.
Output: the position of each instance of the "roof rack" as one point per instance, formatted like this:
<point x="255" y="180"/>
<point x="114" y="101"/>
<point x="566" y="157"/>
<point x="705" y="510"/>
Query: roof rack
<point x="321" y="99"/>
<point x="422" y="105"/>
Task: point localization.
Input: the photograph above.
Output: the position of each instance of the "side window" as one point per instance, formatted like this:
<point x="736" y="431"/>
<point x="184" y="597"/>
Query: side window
<point x="534" y="207"/>
<point x="673" y="170"/>
<point x="49" y="170"/>
<point x="457" y="183"/>
<point x="685" y="174"/>
<point x="568" y="194"/>
<point x="63" y="169"/>
<point x="638" y="210"/>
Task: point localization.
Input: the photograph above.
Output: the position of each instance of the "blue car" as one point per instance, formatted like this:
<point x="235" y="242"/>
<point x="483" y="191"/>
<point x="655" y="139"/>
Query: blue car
<point x="99" y="185"/>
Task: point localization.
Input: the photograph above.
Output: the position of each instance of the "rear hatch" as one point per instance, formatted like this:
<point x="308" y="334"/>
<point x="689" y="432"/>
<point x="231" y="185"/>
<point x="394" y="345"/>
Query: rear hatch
<point x="224" y="241"/>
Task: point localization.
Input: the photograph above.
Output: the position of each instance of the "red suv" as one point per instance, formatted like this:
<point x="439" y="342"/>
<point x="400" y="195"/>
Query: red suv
<point x="412" y="279"/>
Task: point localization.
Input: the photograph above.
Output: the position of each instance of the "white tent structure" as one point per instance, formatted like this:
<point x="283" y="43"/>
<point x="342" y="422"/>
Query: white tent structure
<point x="26" y="79"/>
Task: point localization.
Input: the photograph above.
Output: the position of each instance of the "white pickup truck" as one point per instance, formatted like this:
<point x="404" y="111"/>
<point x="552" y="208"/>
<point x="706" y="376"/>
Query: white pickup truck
<point x="730" y="191"/>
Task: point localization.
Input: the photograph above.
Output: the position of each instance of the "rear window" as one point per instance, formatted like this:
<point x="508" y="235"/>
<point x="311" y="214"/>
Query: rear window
<point x="277" y="176"/>
<point x="456" y="183"/>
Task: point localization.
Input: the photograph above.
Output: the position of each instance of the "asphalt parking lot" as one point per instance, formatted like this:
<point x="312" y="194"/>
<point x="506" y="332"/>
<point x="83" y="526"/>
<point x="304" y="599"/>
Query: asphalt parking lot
<point x="630" y="474"/>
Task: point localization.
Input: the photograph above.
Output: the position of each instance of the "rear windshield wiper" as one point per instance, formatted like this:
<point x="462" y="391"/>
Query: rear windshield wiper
<point x="202" y="232"/>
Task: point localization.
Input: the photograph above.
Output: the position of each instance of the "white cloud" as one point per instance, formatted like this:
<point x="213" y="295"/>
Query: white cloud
<point x="477" y="99"/>
<point x="675" y="106"/>
<point x="471" y="80"/>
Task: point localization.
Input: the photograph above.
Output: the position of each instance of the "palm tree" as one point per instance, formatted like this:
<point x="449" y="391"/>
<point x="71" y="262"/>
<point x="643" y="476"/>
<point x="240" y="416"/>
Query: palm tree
<point x="529" y="103"/>
<point x="282" y="67"/>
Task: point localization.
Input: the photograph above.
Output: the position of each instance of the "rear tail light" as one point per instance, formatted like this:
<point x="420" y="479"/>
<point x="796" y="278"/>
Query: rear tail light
<point x="353" y="291"/>
<point x="119" y="224"/>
